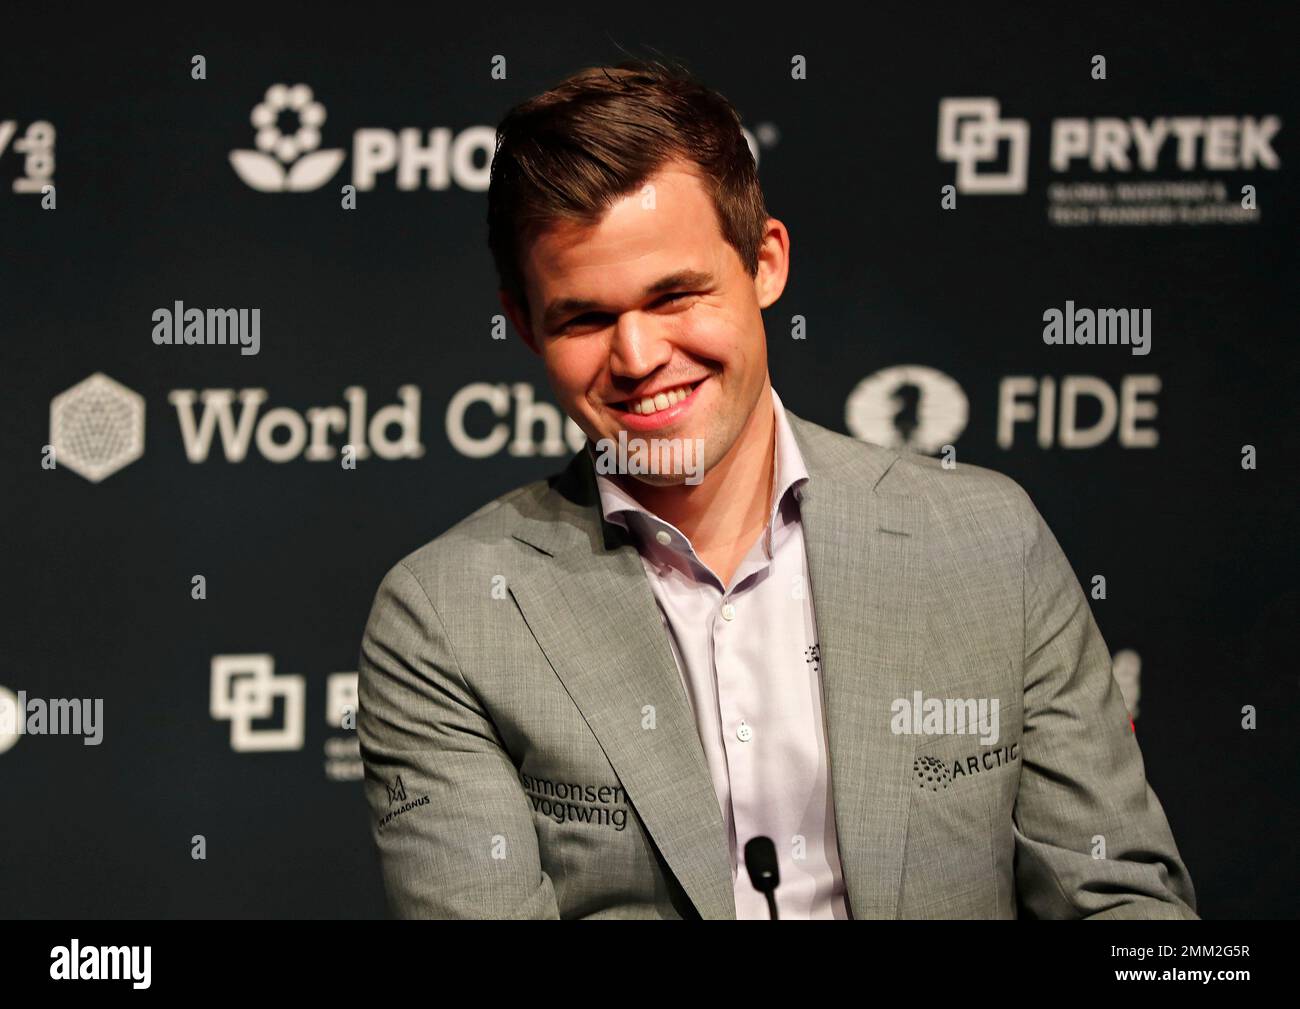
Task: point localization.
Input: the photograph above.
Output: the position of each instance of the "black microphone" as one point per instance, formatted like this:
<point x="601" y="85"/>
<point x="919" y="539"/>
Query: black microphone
<point x="760" y="861"/>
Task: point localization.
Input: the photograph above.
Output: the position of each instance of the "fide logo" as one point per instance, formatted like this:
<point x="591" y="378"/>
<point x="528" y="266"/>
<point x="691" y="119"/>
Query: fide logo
<point x="971" y="132"/>
<point x="97" y="427"/>
<point x="909" y="407"/>
<point x="288" y="121"/>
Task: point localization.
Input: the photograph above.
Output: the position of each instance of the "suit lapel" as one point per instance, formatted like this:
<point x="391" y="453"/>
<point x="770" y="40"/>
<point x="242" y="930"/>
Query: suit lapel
<point x="591" y="609"/>
<point x="865" y="553"/>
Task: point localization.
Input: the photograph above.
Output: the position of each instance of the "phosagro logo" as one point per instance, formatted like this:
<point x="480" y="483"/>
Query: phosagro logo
<point x="288" y="124"/>
<point x="97" y="427"/>
<point x="971" y="132"/>
<point x="287" y="161"/>
<point x="909" y="407"/>
<point x="288" y="121"/>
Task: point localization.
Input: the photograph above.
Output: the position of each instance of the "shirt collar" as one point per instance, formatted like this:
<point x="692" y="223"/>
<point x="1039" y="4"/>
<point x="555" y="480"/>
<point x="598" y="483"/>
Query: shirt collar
<point x="621" y="508"/>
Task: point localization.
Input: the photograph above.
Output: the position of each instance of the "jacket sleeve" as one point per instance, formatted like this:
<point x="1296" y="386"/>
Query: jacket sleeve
<point x="448" y="814"/>
<point x="1083" y="784"/>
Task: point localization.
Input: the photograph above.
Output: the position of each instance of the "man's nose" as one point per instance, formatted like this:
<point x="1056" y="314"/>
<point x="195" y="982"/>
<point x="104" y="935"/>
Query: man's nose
<point x="637" y="348"/>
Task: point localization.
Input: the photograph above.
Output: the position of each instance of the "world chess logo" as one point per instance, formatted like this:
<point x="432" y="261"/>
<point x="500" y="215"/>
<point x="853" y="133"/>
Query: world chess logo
<point x="244" y="689"/>
<point x="97" y="427"/>
<point x="287" y="121"/>
<point x="971" y="132"/>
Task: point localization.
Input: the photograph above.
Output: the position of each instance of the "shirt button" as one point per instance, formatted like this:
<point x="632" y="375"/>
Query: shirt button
<point x="664" y="537"/>
<point x="728" y="611"/>
<point x="744" y="733"/>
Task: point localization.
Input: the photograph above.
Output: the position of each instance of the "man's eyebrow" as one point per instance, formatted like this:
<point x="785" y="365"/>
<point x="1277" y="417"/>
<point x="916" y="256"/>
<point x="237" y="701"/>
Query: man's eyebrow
<point x="682" y="278"/>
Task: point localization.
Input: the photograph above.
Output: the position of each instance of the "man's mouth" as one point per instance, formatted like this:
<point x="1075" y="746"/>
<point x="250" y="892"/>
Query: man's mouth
<point x="665" y="399"/>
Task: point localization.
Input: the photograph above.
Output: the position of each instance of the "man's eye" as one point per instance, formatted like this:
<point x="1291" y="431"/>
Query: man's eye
<point x="591" y="317"/>
<point x="578" y="320"/>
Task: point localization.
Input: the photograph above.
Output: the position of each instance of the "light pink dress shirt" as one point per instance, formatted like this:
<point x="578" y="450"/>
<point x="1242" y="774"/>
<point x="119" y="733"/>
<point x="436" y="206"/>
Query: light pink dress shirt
<point x="748" y="656"/>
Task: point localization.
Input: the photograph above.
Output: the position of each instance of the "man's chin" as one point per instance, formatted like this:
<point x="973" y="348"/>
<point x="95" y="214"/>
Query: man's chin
<point x="659" y="461"/>
<point x="658" y="479"/>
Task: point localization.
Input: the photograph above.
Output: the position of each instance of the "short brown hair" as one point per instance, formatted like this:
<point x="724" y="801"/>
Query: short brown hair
<point x="596" y="137"/>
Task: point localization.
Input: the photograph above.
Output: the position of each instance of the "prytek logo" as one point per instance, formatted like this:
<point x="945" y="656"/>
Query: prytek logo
<point x="974" y="137"/>
<point x="287" y="161"/>
<point x="971" y="132"/>
<point x="267" y="713"/>
<point x="96" y="427"/>
<point x="243" y="688"/>
<point x="288" y="122"/>
<point x="909" y="407"/>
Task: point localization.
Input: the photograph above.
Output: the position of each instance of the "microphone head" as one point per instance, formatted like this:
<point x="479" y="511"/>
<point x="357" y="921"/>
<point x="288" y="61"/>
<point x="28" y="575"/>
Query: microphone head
<point x="760" y="861"/>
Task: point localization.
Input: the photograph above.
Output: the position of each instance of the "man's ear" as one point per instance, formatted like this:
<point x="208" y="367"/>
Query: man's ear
<point x="518" y="316"/>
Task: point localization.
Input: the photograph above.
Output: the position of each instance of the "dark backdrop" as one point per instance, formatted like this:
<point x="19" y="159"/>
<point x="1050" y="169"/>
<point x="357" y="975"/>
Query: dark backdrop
<point x="97" y="602"/>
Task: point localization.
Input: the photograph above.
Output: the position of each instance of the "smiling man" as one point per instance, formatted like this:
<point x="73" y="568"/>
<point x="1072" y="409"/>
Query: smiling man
<point x="585" y="699"/>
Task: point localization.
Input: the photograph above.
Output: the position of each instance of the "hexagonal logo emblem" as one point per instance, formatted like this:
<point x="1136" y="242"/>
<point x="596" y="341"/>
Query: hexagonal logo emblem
<point x="97" y="427"/>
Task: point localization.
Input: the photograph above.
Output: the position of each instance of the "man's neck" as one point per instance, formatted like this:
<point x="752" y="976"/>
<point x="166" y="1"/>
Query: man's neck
<point x="724" y="513"/>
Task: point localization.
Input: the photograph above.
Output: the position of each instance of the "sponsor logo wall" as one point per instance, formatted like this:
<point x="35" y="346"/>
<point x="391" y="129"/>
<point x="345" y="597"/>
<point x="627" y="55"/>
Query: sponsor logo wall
<point x="253" y="355"/>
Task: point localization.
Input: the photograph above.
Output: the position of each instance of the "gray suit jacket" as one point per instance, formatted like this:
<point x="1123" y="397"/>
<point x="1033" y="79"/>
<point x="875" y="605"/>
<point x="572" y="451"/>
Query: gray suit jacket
<point x="530" y="752"/>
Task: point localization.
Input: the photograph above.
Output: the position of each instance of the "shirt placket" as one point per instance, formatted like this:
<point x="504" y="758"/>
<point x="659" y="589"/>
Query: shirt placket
<point x="731" y="618"/>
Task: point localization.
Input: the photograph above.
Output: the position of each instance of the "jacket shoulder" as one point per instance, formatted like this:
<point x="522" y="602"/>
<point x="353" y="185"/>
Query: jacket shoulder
<point x="472" y="548"/>
<point x="946" y="487"/>
<point x="958" y="486"/>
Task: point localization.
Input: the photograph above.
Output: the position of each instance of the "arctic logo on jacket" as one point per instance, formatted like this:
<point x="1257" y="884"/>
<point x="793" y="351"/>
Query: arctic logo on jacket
<point x="937" y="773"/>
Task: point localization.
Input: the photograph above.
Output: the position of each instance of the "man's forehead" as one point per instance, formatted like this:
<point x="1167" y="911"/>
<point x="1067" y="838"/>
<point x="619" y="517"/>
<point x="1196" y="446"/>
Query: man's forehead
<point x="661" y="214"/>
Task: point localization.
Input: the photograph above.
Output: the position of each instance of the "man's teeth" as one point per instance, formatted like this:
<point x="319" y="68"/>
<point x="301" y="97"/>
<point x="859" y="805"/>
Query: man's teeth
<point x="660" y="401"/>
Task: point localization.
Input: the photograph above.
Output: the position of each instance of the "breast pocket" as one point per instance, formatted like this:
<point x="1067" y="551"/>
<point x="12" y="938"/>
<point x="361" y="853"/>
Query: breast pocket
<point x="961" y="785"/>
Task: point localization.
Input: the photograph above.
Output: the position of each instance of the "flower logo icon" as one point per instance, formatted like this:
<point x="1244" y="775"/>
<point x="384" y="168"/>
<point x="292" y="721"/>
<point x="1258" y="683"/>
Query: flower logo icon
<point x="287" y="161"/>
